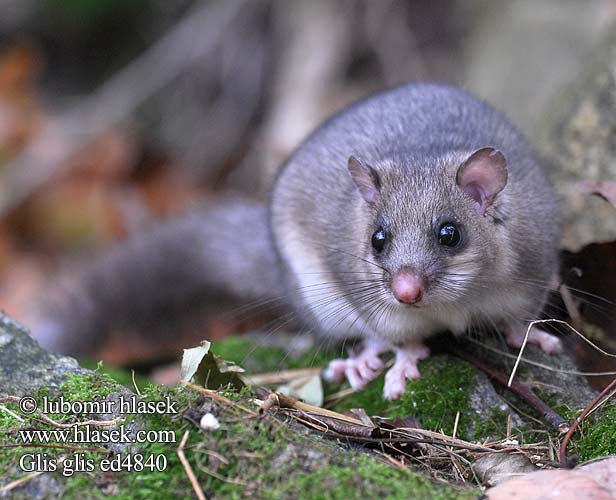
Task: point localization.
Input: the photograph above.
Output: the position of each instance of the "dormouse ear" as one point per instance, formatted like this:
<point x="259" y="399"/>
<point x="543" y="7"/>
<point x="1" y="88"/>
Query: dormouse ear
<point x="482" y="176"/>
<point x="366" y="179"/>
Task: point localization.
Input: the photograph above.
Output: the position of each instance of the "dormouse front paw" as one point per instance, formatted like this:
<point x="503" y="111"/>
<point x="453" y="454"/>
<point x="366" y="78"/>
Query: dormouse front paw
<point x="404" y="368"/>
<point x="359" y="369"/>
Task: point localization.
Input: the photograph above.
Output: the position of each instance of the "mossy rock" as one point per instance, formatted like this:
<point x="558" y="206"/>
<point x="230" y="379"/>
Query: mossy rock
<point x="598" y="435"/>
<point x="249" y="456"/>
<point x="260" y="456"/>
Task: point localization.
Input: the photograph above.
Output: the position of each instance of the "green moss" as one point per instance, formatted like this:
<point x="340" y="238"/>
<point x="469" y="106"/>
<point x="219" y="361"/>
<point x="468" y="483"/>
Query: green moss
<point x="266" y="458"/>
<point x="121" y="375"/>
<point x="6" y="419"/>
<point x="434" y="399"/>
<point x="88" y="387"/>
<point x="76" y="388"/>
<point x="257" y="357"/>
<point x="9" y="457"/>
<point x="492" y="427"/>
<point x="258" y="457"/>
<point x="598" y="435"/>
<point x="158" y="484"/>
<point x="78" y="484"/>
<point x="364" y="477"/>
<point x="252" y="357"/>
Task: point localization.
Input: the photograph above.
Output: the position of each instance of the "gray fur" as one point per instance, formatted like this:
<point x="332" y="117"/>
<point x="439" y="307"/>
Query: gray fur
<point x="317" y="252"/>
<point x="415" y="137"/>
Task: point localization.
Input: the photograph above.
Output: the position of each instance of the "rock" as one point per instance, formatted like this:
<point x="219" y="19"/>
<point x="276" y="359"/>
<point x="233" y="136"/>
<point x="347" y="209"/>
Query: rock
<point x="559" y="381"/>
<point x="577" y="135"/>
<point x="508" y="49"/>
<point x="24" y="366"/>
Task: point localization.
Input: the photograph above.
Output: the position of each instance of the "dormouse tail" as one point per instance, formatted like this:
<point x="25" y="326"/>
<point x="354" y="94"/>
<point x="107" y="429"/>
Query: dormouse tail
<point x="156" y="282"/>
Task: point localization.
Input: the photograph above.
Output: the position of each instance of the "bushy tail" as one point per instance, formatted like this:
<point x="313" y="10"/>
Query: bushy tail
<point x="155" y="282"/>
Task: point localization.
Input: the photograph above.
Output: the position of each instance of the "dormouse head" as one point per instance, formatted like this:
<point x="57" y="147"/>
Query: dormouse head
<point x="432" y="228"/>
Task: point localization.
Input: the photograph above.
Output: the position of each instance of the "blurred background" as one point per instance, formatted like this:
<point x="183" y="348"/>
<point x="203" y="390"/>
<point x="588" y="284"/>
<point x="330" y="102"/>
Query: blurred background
<point x="114" y="113"/>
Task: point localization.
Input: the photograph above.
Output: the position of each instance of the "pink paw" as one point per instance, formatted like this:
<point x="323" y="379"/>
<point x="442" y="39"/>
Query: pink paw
<point x="404" y="368"/>
<point x="395" y="380"/>
<point x="357" y="370"/>
<point x="548" y="342"/>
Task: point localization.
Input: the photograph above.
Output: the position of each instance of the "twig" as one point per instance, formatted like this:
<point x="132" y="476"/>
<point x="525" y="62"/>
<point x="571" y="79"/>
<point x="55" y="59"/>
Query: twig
<point x="284" y="401"/>
<point x="190" y="39"/>
<point x="535" y="363"/>
<point x="282" y="376"/>
<point x="11" y="413"/>
<point x="605" y="393"/>
<point x="218" y="397"/>
<point x="55" y="446"/>
<point x="521" y="389"/>
<point x="99" y="423"/>
<point x="560" y="322"/>
<point x="400" y="465"/>
<point x="321" y="419"/>
<point x="572" y="309"/>
<point x="189" y="472"/>
<point x="132" y="375"/>
<point x="336" y="396"/>
<point x="41" y="416"/>
<point x="454" y="461"/>
<point x="455" y="424"/>
<point x="18" y="482"/>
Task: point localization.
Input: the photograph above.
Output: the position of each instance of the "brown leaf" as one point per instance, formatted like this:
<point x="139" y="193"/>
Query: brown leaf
<point x="407" y="422"/>
<point x="604" y="189"/>
<point x="596" y="481"/>
<point x="495" y="468"/>
<point x="361" y="414"/>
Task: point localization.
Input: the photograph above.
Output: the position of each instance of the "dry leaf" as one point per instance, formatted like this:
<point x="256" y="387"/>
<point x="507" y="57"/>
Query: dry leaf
<point x="203" y="368"/>
<point x="495" y="468"/>
<point x="308" y="389"/>
<point x="596" y="481"/>
<point x="605" y="189"/>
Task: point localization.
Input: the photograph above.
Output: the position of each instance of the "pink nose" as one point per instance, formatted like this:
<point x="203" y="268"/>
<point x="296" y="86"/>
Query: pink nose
<point x="406" y="286"/>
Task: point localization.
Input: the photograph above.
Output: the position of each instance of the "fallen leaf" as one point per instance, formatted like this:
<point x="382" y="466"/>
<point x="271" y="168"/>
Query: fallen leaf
<point x="596" y="481"/>
<point x="604" y="189"/>
<point x="203" y="368"/>
<point x="495" y="468"/>
<point x="308" y="389"/>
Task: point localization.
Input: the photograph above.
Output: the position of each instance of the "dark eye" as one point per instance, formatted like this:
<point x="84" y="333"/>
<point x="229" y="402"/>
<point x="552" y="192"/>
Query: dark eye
<point x="379" y="238"/>
<point x="449" y="235"/>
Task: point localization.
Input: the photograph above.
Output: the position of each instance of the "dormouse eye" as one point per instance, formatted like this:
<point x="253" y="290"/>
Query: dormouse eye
<point x="379" y="238"/>
<point x="449" y="235"/>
